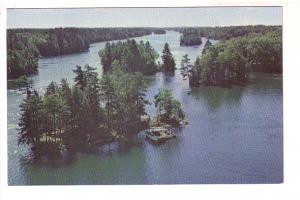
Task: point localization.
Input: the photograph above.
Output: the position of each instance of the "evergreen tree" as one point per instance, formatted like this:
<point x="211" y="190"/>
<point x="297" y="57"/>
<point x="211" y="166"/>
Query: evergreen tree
<point x="31" y="119"/>
<point x="169" y="109"/>
<point x="195" y="73"/>
<point x="107" y="94"/>
<point x="185" y="66"/>
<point x="167" y="58"/>
<point x="206" y="46"/>
<point x="80" y="78"/>
<point x="92" y="104"/>
<point x="132" y="56"/>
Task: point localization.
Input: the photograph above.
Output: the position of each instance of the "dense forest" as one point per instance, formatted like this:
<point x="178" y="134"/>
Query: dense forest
<point x="230" y="62"/>
<point x="92" y="112"/>
<point x="136" y="57"/>
<point x="132" y="56"/>
<point x="226" y="32"/>
<point x="25" y="46"/>
<point x="169" y="64"/>
<point x="190" y="38"/>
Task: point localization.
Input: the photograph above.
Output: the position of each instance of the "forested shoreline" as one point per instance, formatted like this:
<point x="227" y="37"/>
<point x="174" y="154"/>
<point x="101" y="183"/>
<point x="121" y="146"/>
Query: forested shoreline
<point x="230" y="62"/>
<point x="25" y="46"/>
<point x="226" y="32"/>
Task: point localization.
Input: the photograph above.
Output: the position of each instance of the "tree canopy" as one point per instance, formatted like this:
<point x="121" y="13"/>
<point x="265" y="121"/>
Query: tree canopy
<point x="24" y="46"/>
<point x="168" y="109"/>
<point x="168" y="59"/>
<point x="230" y="62"/>
<point x="190" y="38"/>
<point x="132" y="56"/>
<point x="228" y="32"/>
<point x="90" y="113"/>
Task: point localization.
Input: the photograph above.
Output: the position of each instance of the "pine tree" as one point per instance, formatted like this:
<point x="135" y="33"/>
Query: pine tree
<point x="185" y="66"/>
<point x="169" y="109"/>
<point x="206" y="46"/>
<point x="31" y="119"/>
<point x="80" y="78"/>
<point x="168" y="60"/>
<point x="107" y="94"/>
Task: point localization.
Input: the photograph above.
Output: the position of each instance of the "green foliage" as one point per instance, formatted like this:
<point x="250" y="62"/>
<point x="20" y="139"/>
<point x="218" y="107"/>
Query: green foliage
<point x="24" y="46"/>
<point x="190" y="38"/>
<point x="21" y="55"/>
<point x="132" y="56"/>
<point x="63" y="114"/>
<point x="124" y="96"/>
<point x="30" y="121"/>
<point x="229" y="62"/>
<point x="185" y="66"/>
<point x="90" y="113"/>
<point x="169" y="109"/>
<point x="206" y="46"/>
<point x="21" y="82"/>
<point x="228" y="32"/>
<point x="168" y="59"/>
<point x="265" y="53"/>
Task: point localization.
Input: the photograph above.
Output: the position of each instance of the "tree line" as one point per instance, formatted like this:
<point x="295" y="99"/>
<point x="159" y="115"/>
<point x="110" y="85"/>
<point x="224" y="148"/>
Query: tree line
<point x="24" y="46"/>
<point x="230" y="62"/>
<point x="136" y="57"/>
<point x="227" y="32"/>
<point x="90" y="113"/>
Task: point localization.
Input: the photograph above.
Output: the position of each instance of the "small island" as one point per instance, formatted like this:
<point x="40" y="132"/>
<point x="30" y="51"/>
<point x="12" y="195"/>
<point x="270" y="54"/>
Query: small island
<point x="159" y="31"/>
<point x="190" y="39"/>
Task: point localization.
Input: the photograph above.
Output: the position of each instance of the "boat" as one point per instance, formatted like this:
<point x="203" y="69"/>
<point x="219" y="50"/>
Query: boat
<point x="182" y="123"/>
<point x="159" y="134"/>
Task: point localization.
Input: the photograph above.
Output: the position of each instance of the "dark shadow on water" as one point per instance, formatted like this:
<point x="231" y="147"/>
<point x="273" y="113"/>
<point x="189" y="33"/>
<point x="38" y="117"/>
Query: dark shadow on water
<point x="68" y="157"/>
<point x="216" y="96"/>
<point x="168" y="77"/>
<point x="264" y="82"/>
<point x="51" y="160"/>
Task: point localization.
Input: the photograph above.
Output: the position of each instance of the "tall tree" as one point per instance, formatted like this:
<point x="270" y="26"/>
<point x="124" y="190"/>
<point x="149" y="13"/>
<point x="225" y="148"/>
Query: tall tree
<point x="107" y="94"/>
<point x="167" y="58"/>
<point x="185" y="66"/>
<point x="169" y="109"/>
<point x="206" y="46"/>
<point x="80" y="78"/>
<point x="31" y="119"/>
